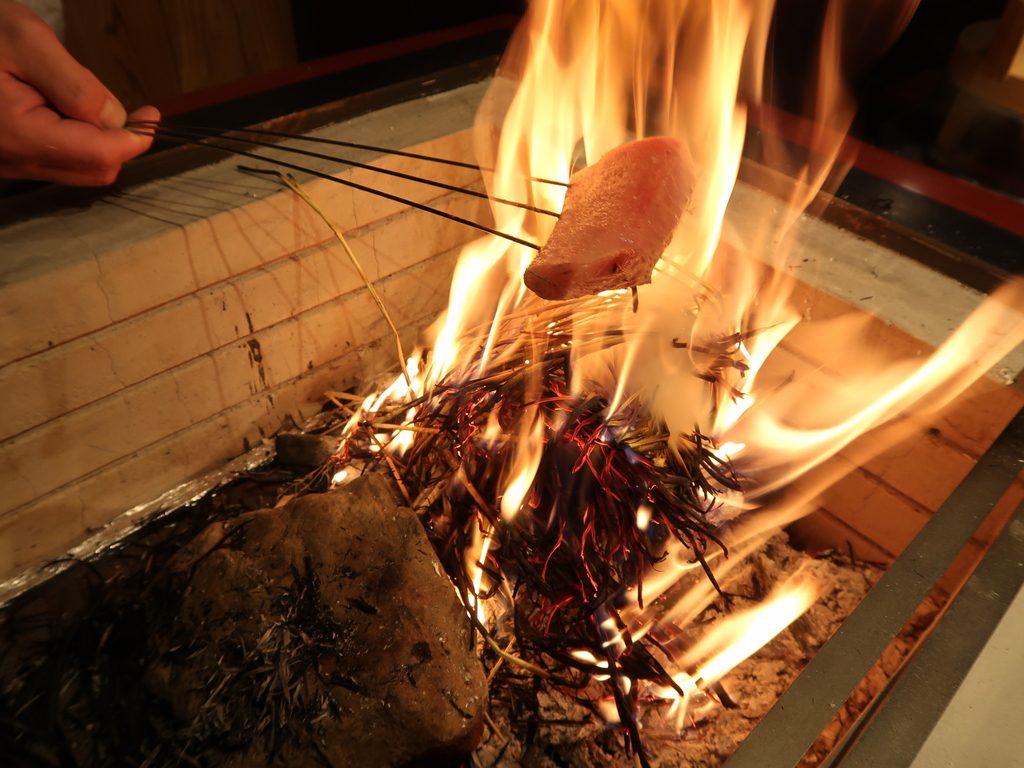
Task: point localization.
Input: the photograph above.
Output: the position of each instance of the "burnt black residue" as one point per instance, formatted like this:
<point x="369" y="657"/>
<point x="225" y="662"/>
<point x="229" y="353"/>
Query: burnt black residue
<point x="421" y="651"/>
<point x="361" y="605"/>
<point x="255" y="351"/>
<point x="256" y="359"/>
<point x="74" y="650"/>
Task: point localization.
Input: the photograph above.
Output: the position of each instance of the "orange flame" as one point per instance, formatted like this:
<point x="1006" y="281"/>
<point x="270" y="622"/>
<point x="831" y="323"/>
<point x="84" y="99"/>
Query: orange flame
<point x="584" y="76"/>
<point x="736" y="638"/>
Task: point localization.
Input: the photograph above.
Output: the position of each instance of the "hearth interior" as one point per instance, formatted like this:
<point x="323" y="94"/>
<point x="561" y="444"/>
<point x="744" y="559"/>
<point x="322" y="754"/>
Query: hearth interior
<point x="592" y="472"/>
<point x="581" y="459"/>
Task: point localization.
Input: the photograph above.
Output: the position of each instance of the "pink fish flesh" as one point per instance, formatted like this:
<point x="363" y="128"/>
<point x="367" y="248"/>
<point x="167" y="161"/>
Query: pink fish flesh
<point x="618" y="218"/>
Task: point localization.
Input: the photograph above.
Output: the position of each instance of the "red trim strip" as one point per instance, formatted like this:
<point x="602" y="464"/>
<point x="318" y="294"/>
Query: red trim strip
<point x="984" y="204"/>
<point x="327" y="65"/>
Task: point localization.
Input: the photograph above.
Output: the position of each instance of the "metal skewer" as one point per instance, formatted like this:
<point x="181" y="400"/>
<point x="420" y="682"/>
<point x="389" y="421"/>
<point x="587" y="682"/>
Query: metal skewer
<point x="180" y="137"/>
<point x="199" y="135"/>
<point x="338" y="143"/>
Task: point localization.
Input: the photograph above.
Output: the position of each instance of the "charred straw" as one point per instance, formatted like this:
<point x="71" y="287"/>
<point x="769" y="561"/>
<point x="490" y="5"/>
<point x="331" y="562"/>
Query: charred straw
<point x="574" y="552"/>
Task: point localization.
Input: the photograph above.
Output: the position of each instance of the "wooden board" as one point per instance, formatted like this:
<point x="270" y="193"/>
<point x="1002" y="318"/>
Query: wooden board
<point x="147" y="51"/>
<point x="155" y="335"/>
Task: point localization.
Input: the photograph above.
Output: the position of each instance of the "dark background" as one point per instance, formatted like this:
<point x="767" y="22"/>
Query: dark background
<point x="325" y="27"/>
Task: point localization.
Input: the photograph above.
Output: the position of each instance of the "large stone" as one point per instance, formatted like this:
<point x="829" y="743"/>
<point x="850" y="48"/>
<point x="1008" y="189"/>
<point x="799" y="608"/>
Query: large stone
<point x="323" y="632"/>
<point x="300" y="449"/>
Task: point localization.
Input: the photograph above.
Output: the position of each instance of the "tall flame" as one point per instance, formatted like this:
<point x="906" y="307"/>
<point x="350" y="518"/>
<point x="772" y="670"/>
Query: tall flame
<point x="584" y="76"/>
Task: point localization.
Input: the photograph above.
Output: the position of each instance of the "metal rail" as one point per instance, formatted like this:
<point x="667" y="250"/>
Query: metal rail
<point x="790" y="728"/>
<point x="908" y="712"/>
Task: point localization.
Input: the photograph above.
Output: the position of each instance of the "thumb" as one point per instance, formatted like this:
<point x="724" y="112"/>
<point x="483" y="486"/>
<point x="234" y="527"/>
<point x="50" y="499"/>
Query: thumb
<point x="42" y="62"/>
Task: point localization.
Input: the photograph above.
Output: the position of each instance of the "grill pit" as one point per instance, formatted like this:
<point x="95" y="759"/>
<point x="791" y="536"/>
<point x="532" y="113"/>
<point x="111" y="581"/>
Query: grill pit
<point x="269" y="318"/>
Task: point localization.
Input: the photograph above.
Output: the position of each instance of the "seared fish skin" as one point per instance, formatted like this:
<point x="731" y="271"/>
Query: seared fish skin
<point x="618" y="218"/>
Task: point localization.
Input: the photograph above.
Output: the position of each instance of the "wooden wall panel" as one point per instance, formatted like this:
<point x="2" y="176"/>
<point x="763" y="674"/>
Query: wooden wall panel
<point x="150" y="50"/>
<point x="155" y="335"/>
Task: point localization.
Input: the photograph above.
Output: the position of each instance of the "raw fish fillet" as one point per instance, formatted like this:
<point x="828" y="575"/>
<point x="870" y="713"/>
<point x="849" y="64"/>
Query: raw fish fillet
<point x="618" y="218"/>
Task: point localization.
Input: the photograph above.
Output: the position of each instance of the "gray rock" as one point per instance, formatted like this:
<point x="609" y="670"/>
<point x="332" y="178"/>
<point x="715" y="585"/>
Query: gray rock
<point x="320" y="633"/>
<point x="303" y="450"/>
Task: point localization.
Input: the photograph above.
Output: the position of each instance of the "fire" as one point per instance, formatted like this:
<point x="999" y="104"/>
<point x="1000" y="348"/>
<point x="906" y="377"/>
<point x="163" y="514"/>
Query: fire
<point x="742" y="635"/>
<point x="525" y="467"/>
<point x="580" y="78"/>
<point x="736" y="638"/>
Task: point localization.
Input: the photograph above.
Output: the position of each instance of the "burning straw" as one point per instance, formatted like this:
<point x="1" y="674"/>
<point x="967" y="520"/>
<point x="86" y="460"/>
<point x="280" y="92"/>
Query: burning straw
<point x="554" y="559"/>
<point x="548" y="498"/>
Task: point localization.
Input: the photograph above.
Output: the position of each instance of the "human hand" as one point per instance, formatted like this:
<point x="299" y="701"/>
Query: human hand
<point x="57" y="121"/>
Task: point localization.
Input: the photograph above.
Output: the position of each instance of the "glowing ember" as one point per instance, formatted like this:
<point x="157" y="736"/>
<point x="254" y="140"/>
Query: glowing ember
<point x="577" y="454"/>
